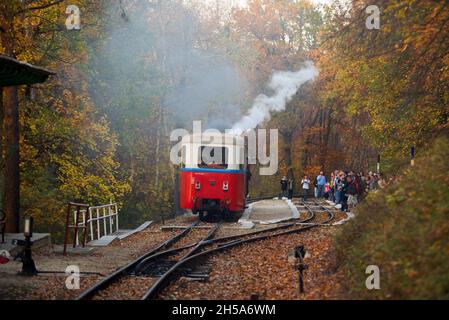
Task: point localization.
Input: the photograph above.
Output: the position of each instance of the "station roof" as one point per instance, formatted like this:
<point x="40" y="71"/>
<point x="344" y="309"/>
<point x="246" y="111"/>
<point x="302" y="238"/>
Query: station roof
<point x="14" y="73"/>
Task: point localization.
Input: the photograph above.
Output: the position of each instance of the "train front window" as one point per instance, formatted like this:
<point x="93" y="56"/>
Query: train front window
<point x="213" y="157"/>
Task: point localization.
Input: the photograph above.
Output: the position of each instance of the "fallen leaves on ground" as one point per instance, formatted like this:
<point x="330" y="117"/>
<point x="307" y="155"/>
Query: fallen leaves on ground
<point x="263" y="269"/>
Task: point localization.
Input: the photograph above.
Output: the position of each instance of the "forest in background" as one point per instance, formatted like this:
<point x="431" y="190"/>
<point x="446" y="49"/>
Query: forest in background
<point x="136" y="70"/>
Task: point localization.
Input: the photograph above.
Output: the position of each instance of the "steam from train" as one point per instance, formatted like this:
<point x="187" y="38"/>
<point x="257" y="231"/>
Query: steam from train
<point x="285" y="84"/>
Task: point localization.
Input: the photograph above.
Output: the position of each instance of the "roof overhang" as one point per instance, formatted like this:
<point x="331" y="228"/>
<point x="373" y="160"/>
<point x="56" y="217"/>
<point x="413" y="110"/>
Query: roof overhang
<point x="15" y="73"/>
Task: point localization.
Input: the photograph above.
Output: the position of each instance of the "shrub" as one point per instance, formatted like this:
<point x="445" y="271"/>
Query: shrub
<point x="403" y="229"/>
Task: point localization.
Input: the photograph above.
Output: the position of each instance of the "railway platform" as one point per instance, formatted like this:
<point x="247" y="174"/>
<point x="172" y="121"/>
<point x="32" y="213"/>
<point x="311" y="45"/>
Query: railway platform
<point x="270" y="212"/>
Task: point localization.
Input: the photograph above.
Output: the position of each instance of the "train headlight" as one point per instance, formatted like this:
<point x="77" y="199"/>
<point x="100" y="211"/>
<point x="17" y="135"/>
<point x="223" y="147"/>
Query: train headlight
<point x="225" y="186"/>
<point x="197" y="185"/>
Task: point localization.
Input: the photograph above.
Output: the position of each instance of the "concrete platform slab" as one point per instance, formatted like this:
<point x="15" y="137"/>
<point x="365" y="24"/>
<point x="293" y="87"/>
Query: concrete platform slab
<point x="103" y="241"/>
<point x="119" y="235"/>
<point x="268" y="210"/>
<point x="122" y="234"/>
<point x="246" y="224"/>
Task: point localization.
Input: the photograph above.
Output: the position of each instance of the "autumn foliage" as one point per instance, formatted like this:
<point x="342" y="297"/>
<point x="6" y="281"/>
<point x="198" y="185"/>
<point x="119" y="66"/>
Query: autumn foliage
<point x="403" y="230"/>
<point x="100" y="129"/>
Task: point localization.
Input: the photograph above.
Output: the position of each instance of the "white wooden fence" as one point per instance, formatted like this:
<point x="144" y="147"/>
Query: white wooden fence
<point x="102" y="221"/>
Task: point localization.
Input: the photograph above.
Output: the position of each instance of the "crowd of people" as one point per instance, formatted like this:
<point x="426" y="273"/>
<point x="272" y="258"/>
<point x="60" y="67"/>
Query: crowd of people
<point x="344" y="189"/>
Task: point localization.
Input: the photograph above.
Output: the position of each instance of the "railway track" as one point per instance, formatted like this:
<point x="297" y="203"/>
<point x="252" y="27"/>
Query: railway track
<point x="128" y="269"/>
<point x="164" y="264"/>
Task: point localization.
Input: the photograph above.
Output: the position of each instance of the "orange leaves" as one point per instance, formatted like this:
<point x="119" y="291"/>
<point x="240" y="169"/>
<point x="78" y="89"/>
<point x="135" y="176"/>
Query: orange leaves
<point x="263" y="268"/>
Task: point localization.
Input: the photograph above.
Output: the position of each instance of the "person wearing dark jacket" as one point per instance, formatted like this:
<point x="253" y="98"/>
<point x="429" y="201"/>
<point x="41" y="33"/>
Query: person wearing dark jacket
<point x="345" y="188"/>
<point x="284" y="186"/>
<point x="291" y="187"/>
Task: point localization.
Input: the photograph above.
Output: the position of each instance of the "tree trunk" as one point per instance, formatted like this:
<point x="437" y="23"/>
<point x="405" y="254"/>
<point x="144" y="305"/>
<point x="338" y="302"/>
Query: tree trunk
<point x="288" y="153"/>
<point x="11" y="129"/>
<point x="12" y="174"/>
<point x="2" y="162"/>
<point x="163" y="56"/>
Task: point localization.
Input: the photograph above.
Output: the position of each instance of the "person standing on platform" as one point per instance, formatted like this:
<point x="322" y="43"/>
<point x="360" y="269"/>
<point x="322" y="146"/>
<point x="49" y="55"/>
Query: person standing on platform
<point x="284" y="186"/>
<point x="344" y="193"/>
<point x="321" y="182"/>
<point x="291" y="187"/>
<point x="338" y="186"/>
<point x="331" y="187"/>
<point x="305" y="187"/>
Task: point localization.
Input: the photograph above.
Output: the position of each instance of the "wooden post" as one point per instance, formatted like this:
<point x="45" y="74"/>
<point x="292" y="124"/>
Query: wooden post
<point x="12" y="174"/>
<point x="78" y="209"/>
<point x="11" y="130"/>
<point x="77" y="215"/>
<point x="2" y="177"/>
<point x="67" y="230"/>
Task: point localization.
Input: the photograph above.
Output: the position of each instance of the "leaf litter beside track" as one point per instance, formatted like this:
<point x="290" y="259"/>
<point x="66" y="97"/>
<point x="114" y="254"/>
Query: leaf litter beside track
<point x="103" y="260"/>
<point x="266" y="270"/>
<point x="263" y="268"/>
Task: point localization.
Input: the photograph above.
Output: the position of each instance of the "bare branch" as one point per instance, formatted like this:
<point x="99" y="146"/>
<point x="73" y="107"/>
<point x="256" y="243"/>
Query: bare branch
<point x="44" y="6"/>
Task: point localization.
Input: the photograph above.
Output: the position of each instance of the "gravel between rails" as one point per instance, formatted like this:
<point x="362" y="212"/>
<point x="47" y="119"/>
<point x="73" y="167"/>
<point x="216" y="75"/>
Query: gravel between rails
<point x="127" y="288"/>
<point x="194" y="235"/>
<point x="262" y="268"/>
<point x="121" y="252"/>
<point x="130" y="287"/>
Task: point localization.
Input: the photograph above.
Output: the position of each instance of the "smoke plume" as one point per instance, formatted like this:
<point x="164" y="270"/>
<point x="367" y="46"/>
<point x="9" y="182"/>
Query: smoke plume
<point x="284" y="84"/>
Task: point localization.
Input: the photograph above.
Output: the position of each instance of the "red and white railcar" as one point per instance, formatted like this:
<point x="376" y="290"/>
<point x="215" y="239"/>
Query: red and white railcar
<point x="213" y="177"/>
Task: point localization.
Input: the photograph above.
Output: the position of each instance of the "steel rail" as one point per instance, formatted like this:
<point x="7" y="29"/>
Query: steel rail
<point x="138" y="265"/>
<point x="330" y="213"/>
<point x="164" y="281"/>
<point x="147" y="260"/>
<point x="105" y="282"/>
<point x="153" y="291"/>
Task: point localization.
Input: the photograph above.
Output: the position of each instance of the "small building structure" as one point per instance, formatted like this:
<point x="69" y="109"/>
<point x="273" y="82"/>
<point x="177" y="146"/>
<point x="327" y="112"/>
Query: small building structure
<point x="13" y="73"/>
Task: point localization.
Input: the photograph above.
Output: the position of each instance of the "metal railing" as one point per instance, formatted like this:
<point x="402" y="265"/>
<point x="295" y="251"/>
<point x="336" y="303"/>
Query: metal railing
<point x="79" y="209"/>
<point x="102" y="221"/>
<point x="96" y="222"/>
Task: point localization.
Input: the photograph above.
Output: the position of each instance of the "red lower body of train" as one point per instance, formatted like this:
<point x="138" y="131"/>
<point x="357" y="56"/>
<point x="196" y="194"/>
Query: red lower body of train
<point x="212" y="191"/>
